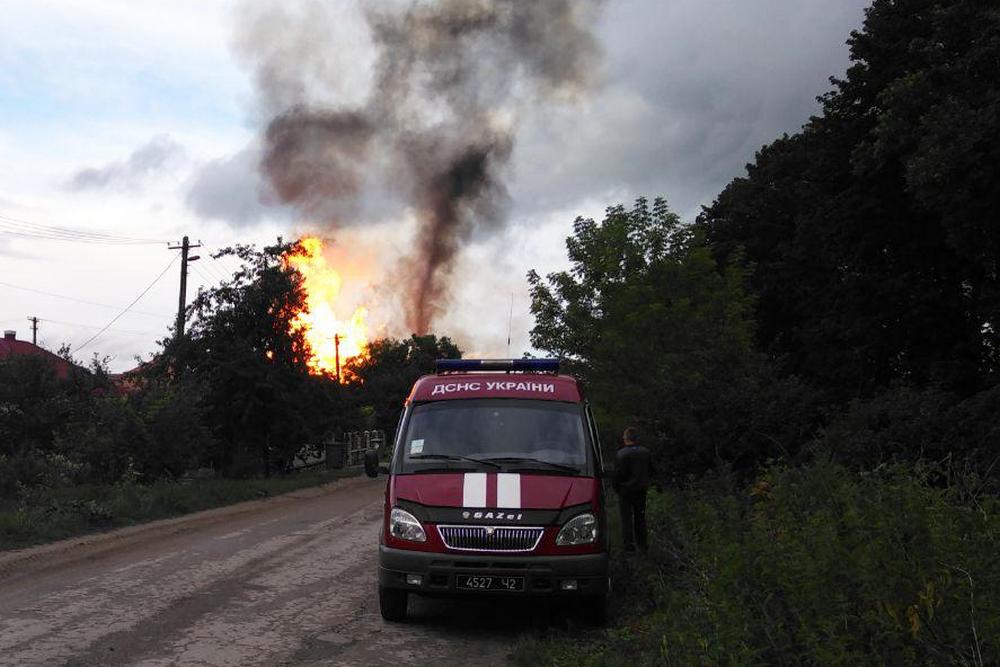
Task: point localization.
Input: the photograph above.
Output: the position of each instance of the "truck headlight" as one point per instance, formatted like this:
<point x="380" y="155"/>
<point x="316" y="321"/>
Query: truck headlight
<point x="404" y="526"/>
<point x="581" y="529"/>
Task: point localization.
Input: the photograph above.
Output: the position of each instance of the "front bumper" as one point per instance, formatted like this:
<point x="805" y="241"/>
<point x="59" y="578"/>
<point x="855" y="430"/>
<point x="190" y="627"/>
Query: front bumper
<point x="543" y="575"/>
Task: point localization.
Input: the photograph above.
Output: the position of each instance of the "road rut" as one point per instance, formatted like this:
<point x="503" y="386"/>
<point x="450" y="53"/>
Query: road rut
<point x="285" y="581"/>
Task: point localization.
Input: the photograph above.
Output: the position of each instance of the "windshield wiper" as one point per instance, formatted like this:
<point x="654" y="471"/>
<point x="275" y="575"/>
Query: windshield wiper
<point x="430" y="468"/>
<point x="526" y="459"/>
<point x="453" y="457"/>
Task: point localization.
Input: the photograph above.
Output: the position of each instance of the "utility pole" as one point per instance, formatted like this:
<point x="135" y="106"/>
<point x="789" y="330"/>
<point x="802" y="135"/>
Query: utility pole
<point x="34" y="330"/>
<point x="510" y="322"/>
<point x="184" y="247"/>
<point x="336" y="351"/>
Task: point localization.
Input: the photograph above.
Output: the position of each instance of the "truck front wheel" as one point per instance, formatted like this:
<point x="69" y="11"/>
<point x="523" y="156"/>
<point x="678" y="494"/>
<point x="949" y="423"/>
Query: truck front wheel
<point x="392" y="603"/>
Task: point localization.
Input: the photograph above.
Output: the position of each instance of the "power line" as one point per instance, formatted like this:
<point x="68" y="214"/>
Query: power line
<point x="206" y="280"/>
<point x="26" y="229"/>
<point x="209" y="273"/>
<point x="91" y="326"/>
<point x="224" y="261"/>
<point x="224" y="268"/>
<point x="70" y="298"/>
<point x="218" y="267"/>
<point x="5" y="229"/>
<point x="229" y="267"/>
<point x="134" y="301"/>
<point x="36" y="228"/>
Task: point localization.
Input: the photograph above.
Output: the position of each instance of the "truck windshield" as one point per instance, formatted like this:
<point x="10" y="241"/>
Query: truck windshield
<point x="492" y="434"/>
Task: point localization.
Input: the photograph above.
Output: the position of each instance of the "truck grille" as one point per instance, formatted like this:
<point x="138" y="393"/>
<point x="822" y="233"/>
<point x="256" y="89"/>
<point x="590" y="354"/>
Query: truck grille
<point x="490" y="538"/>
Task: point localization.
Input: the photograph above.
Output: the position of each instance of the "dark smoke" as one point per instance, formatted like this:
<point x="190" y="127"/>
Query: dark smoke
<point x="437" y="129"/>
<point x="313" y="156"/>
<point x="467" y="193"/>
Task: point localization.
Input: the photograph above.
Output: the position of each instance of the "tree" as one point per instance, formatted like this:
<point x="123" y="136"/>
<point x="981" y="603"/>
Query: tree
<point x="871" y="235"/>
<point x="387" y="373"/>
<point x="661" y="337"/>
<point x="33" y="402"/>
<point x="242" y="351"/>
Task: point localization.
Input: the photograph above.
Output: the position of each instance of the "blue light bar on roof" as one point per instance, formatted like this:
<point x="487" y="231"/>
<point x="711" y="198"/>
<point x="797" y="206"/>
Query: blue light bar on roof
<point x="524" y="365"/>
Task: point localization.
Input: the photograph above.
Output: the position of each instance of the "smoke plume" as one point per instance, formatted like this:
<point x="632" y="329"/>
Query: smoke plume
<point x="437" y="126"/>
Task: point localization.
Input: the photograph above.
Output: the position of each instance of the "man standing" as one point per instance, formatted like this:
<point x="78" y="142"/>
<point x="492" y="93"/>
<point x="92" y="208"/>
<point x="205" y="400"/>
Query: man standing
<point x="633" y="473"/>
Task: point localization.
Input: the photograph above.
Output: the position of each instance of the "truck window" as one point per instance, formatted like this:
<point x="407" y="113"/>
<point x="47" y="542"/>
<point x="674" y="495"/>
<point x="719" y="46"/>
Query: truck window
<point x="513" y="433"/>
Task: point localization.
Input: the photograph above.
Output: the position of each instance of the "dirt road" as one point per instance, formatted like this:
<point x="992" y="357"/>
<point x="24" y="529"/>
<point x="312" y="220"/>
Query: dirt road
<point x="284" y="581"/>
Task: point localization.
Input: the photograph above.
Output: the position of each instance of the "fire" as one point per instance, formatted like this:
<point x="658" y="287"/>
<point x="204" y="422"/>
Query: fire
<point x="322" y="327"/>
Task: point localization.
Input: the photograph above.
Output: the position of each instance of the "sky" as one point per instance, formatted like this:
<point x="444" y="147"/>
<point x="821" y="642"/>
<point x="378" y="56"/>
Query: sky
<point x="143" y="120"/>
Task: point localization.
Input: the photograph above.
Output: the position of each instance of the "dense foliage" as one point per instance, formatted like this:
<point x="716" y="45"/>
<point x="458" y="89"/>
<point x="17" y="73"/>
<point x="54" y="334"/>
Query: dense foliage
<point x="34" y="404"/>
<point x="814" y="363"/>
<point x="231" y="398"/>
<point x="852" y="271"/>
<point x="250" y="367"/>
<point x="663" y="338"/>
<point x="82" y="429"/>
<point x="45" y="513"/>
<point x="386" y="375"/>
<point x="815" y="565"/>
<point x="871" y="235"/>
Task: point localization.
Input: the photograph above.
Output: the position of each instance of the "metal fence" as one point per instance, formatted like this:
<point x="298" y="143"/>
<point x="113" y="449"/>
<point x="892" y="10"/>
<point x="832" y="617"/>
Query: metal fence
<point x="347" y="450"/>
<point x="358" y="442"/>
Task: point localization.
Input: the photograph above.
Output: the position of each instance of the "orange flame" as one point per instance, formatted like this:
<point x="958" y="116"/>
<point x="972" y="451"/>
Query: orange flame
<point x="319" y="323"/>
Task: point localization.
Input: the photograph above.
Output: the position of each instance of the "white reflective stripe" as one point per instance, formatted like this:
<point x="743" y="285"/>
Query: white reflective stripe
<point x="508" y="489"/>
<point x="474" y="490"/>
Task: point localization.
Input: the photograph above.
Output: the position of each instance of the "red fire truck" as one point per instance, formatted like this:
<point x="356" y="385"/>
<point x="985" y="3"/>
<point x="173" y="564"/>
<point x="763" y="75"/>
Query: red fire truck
<point x="494" y="488"/>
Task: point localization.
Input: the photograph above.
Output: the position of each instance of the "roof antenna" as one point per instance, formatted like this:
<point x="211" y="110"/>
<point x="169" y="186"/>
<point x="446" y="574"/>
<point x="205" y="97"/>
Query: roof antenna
<point x="510" y="320"/>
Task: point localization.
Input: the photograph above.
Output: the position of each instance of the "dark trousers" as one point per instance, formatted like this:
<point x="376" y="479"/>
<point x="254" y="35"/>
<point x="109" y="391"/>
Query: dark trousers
<point x="633" y="512"/>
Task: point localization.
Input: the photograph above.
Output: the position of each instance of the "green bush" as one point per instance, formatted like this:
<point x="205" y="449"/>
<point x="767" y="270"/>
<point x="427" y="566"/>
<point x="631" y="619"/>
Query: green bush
<point x="43" y="514"/>
<point x="812" y="565"/>
<point x="909" y="424"/>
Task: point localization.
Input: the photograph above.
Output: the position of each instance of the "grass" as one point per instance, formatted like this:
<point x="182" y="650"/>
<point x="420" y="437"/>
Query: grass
<point x="810" y="565"/>
<point x="47" y="515"/>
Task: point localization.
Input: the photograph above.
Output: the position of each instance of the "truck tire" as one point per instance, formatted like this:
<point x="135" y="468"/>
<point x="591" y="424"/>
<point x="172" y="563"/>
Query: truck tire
<point x="392" y="603"/>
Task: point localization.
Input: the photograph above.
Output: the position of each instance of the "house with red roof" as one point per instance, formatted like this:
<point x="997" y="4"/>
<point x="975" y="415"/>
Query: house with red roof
<point x="10" y="347"/>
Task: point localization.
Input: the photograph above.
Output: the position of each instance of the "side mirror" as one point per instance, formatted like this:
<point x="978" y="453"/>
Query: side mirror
<point x="371" y="463"/>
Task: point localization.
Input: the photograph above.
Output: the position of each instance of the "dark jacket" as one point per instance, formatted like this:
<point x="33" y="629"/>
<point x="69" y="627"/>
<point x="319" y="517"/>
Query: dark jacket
<point x="633" y="469"/>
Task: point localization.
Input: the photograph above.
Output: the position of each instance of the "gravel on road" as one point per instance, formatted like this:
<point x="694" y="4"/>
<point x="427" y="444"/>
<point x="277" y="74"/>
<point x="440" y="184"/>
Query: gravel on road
<point x="288" y="580"/>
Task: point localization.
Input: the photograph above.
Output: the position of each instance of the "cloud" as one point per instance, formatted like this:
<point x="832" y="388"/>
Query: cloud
<point x="688" y="92"/>
<point x="692" y="90"/>
<point x="231" y="189"/>
<point x="160" y="154"/>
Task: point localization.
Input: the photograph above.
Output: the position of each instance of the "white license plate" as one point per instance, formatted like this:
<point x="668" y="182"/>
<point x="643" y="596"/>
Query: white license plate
<point x="477" y="582"/>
